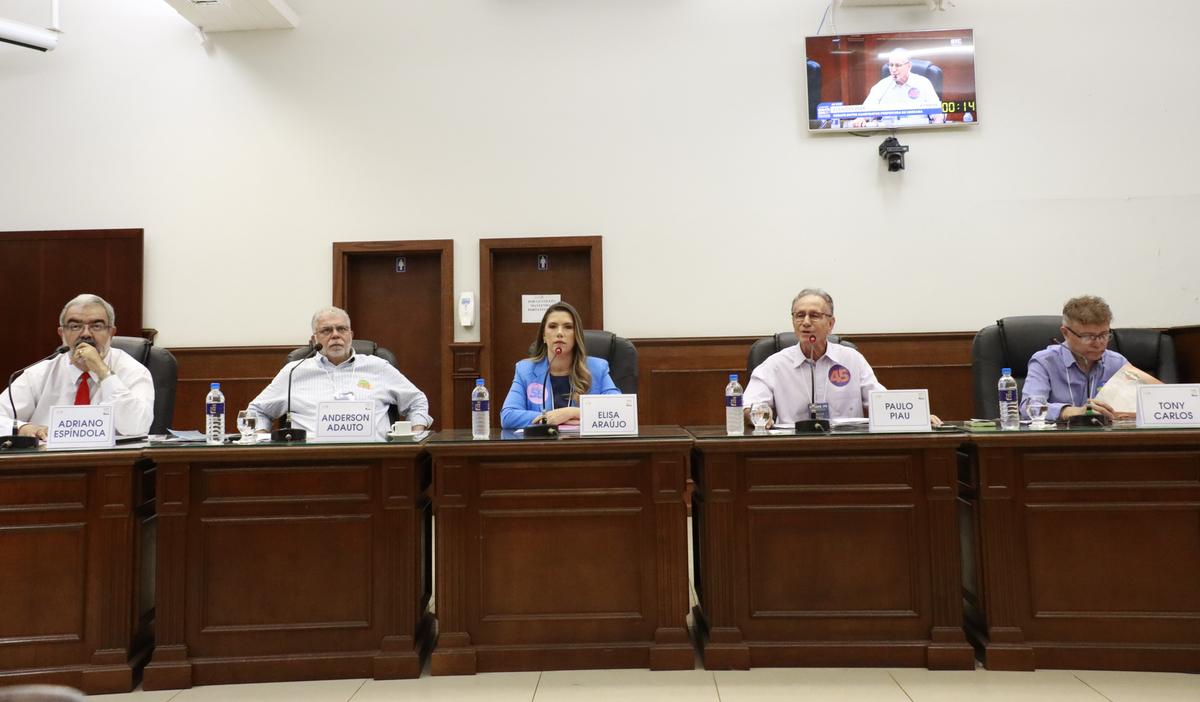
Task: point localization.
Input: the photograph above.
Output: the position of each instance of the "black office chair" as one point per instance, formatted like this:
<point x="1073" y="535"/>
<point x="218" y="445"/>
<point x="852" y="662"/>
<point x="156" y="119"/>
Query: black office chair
<point x="814" y="87"/>
<point x="1012" y="341"/>
<point x="771" y="345"/>
<point x="921" y="67"/>
<point x="364" y="346"/>
<point x="163" y="371"/>
<point x="618" y="351"/>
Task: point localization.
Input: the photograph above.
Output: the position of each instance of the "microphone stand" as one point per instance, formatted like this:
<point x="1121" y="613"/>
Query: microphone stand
<point x="544" y="430"/>
<point x="15" y="441"/>
<point x="812" y="425"/>
<point x="285" y="434"/>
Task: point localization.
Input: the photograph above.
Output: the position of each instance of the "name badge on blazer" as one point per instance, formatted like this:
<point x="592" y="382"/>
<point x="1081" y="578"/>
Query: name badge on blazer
<point x="900" y="410"/>
<point x="81" y="426"/>
<point x="346" y="421"/>
<point x="608" y="415"/>
<point x="1161" y="406"/>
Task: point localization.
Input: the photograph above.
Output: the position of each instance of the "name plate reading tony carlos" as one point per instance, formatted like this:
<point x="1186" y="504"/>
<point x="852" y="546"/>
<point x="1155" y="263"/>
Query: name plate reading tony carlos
<point x="900" y="410"/>
<point x="608" y="415"/>
<point x="81" y="426"/>
<point x="1161" y="406"/>
<point x="346" y="421"/>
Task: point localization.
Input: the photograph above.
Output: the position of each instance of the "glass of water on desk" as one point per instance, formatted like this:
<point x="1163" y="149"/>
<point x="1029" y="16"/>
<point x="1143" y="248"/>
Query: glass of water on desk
<point x="760" y="415"/>
<point x="1037" y="408"/>
<point x="247" y="423"/>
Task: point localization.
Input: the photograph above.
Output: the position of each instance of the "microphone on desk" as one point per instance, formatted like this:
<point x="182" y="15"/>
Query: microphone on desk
<point x="285" y="433"/>
<point x="21" y="442"/>
<point x="812" y="425"/>
<point x="544" y="430"/>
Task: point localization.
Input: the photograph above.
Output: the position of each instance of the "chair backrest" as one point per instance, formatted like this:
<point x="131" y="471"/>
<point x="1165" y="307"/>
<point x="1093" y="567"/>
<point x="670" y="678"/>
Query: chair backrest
<point x="360" y="346"/>
<point x="620" y="354"/>
<point x="814" y="87"/>
<point x="164" y="372"/>
<point x="921" y="67"/>
<point x="771" y="345"/>
<point x="1012" y="341"/>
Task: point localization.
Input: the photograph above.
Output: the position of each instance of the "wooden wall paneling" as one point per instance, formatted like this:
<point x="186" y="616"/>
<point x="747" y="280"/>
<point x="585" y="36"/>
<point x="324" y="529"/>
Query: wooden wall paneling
<point x="43" y="269"/>
<point x="464" y="369"/>
<point x="1187" y="352"/>
<point x="682" y="381"/>
<point x="242" y="371"/>
<point x="409" y="311"/>
<point x="508" y="269"/>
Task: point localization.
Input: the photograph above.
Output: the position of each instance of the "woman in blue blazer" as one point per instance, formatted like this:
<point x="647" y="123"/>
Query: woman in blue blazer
<point x="559" y="361"/>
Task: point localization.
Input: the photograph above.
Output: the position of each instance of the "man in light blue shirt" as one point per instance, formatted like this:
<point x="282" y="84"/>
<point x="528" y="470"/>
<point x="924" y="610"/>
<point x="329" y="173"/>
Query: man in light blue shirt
<point x="340" y="374"/>
<point x="1068" y="375"/>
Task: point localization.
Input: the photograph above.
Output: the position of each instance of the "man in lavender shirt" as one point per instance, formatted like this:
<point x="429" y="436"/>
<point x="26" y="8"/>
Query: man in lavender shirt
<point x="1068" y="375"/>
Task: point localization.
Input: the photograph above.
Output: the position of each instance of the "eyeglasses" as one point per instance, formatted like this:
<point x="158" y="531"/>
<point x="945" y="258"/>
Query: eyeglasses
<point x="1089" y="338"/>
<point x="327" y="331"/>
<point x="95" y="327"/>
<point x="814" y="316"/>
<point x="899" y="65"/>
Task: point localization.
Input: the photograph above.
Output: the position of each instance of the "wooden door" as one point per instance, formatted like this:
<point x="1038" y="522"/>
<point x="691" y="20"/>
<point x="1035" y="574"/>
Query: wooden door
<point x="400" y="294"/>
<point x="509" y="268"/>
<point x="40" y="271"/>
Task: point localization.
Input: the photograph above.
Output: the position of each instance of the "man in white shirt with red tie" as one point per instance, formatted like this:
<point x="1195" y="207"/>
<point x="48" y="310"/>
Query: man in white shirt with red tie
<point x="813" y="372"/>
<point x="89" y="372"/>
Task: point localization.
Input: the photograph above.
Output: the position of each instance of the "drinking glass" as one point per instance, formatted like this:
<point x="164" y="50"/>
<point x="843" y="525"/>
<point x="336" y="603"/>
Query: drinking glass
<point x="247" y="422"/>
<point x="760" y="414"/>
<point x="1037" y="408"/>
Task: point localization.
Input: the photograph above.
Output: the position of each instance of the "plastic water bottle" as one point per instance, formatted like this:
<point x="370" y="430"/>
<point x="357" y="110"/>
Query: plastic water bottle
<point x="481" y="422"/>
<point x="1010" y="411"/>
<point x="734" y="424"/>
<point x="214" y="415"/>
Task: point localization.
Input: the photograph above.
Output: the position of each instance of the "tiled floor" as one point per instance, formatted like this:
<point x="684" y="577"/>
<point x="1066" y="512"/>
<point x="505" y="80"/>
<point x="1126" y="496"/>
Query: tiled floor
<point x="759" y="685"/>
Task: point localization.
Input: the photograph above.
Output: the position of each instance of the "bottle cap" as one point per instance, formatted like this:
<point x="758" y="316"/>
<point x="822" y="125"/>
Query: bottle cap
<point x="215" y="386"/>
<point x="479" y="381"/>
<point x="1006" y="371"/>
<point x="733" y="377"/>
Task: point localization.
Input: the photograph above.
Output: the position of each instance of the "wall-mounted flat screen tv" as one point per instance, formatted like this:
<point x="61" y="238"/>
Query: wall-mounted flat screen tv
<point x="892" y="80"/>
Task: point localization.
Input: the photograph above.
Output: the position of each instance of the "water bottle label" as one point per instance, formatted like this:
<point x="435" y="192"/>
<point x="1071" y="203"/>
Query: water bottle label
<point x="733" y="400"/>
<point x="1009" y="395"/>
<point x="479" y="405"/>
<point x="213" y="409"/>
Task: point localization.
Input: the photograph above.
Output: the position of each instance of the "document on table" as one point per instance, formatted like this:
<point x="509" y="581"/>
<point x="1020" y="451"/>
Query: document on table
<point x="1120" y="392"/>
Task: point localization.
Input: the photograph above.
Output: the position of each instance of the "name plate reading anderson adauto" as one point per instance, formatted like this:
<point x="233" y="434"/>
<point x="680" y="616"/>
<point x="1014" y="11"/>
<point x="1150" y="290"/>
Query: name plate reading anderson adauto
<point x="608" y="415"/>
<point x="81" y="426"/>
<point x="346" y="421"/>
<point x="1168" y="406"/>
<point x="900" y="410"/>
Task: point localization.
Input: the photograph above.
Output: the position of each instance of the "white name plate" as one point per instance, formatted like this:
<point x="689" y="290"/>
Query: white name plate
<point x="1168" y="406"/>
<point x="81" y="426"/>
<point x="900" y="410"/>
<point x="346" y="421"/>
<point x="608" y="415"/>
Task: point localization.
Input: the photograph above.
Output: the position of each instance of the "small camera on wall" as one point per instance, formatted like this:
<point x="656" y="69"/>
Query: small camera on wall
<point x="892" y="151"/>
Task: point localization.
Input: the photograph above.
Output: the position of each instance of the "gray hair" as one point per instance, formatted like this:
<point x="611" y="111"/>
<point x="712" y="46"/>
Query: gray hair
<point x="330" y="310"/>
<point x="817" y="292"/>
<point x="88" y="299"/>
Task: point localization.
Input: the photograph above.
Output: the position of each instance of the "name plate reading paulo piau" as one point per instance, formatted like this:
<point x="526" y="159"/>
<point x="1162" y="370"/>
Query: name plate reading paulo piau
<point x="1164" y="406"/>
<point x="81" y="426"/>
<point x="900" y="410"/>
<point x="345" y="421"/>
<point x="608" y="415"/>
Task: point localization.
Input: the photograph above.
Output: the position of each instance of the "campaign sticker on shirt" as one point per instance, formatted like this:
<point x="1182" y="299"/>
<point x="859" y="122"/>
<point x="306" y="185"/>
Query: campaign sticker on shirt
<point x="839" y="375"/>
<point x="535" y="393"/>
<point x="913" y="93"/>
<point x="364" y="383"/>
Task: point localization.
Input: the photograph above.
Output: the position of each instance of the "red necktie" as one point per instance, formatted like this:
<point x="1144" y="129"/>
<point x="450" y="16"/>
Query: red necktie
<point x="83" y="396"/>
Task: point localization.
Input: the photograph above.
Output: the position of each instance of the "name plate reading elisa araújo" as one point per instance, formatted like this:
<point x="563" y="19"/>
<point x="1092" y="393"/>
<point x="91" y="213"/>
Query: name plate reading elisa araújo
<point x="608" y="415"/>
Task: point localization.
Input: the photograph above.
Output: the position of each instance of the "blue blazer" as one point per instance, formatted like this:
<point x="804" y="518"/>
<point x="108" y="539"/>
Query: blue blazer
<point x="527" y="398"/>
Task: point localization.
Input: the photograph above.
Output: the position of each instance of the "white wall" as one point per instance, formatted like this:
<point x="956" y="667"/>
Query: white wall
<point x="674" y="128"/>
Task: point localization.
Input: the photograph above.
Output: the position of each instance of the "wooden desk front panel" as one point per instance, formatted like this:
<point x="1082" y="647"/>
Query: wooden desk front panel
<point x="69" y="553"/>
<point x="828" y="551"/>
<point x="561" y="554"/>
<point x="290" y="563"/>
<point x="1090" y="550"/>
